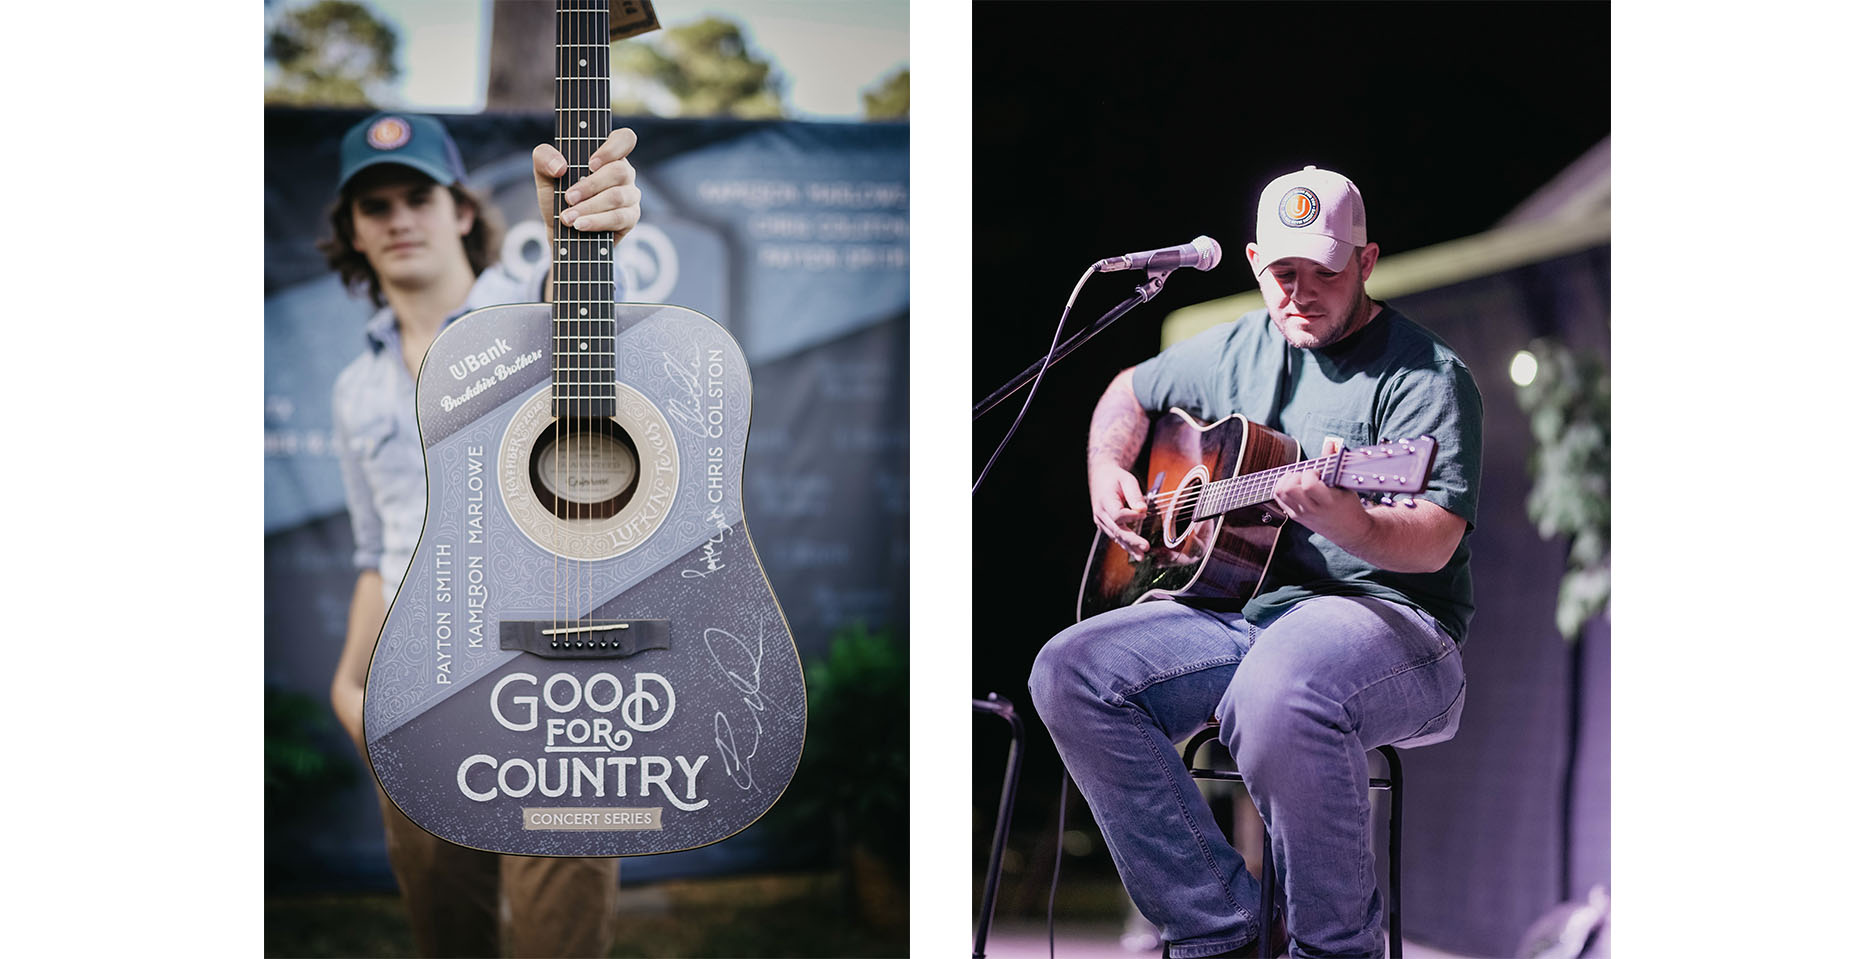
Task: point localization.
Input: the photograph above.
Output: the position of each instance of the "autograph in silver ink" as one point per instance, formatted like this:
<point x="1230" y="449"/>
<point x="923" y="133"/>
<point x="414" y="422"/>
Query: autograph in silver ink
<point x="688" y="377"/>
<point x="746" y="677"/>
<point x="712" y="556"/>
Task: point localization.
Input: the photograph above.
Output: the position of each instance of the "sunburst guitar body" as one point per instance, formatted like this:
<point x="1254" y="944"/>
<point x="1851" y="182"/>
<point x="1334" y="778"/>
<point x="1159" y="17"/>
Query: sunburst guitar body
<point x="1210" y="516"/>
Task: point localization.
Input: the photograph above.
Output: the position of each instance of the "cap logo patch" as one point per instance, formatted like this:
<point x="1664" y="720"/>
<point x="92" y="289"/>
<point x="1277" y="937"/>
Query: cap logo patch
<point x="1300" y="207"/>
<point x="388" y="133"/>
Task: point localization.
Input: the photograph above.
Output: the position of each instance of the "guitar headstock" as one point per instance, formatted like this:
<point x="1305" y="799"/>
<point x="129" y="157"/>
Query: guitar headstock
<point x="1401" y="466"/>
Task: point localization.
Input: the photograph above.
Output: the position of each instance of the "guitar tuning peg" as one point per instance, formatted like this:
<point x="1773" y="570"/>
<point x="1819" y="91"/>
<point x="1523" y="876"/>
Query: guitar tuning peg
<point x="1386" y="499"/>
<point x="1408" y="502"/>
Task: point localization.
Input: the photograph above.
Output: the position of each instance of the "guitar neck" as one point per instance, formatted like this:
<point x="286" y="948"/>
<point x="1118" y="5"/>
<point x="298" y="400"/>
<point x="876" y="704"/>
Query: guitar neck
<point x="584" y="361"/>
<point x="1250" y="489"/>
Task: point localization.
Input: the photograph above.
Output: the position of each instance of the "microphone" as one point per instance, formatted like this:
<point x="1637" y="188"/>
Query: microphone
<point x="1202" y="253"/>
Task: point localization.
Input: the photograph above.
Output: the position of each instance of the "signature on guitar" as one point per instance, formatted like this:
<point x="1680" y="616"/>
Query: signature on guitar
<point x="712" y="554"/>
<point x="691" y="414"/>
<point x="746" y="677"/>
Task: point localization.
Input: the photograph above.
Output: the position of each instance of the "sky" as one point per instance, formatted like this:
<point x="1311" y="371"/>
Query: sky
<point x="830" y="50"/>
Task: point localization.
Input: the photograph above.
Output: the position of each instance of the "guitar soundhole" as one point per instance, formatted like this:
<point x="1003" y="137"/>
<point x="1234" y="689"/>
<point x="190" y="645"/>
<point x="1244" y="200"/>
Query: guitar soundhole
<point x="1178" y="513"/>
<point x="584" y="468"/>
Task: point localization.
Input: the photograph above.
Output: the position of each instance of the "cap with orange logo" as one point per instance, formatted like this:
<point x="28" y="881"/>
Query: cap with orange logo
<point x="1314" y="214"/>
<point x="406" y="139"/>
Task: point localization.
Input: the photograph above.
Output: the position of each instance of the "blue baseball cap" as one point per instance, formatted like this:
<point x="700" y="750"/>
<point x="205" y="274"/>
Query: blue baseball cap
<point x="407" y="139"/>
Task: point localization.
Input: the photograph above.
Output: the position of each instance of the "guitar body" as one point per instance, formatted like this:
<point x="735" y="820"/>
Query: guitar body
<point x="585" y="658"/>
<point x="1218" y="560"/>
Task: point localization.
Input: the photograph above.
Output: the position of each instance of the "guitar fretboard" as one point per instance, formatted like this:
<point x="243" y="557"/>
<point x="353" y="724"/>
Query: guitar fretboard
<point x="1236" y="492"/>
<point x="584" y="360"/>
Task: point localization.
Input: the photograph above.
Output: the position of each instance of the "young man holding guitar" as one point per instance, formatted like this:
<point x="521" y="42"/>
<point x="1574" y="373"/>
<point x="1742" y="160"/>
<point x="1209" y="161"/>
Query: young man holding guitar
<point x="406" y="230"/>
<point x="1343" y="637"/>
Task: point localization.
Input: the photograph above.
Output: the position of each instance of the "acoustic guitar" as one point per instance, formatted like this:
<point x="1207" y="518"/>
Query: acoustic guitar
<point x="1210" y="516"/>
<point x="585" y="658"/>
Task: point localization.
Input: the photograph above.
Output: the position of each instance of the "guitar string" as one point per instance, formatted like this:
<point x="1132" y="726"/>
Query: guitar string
<point x="1239" y="484"/>
<point x="558" y="266"/>
<point x="577" y="386"/>
<point x="1184" y="502"/>
<point x="575" y="404"/>
<point x="596" y="89"/>
<point x="581" y="148"/>
<point x="588" y="88"/>
<point x="1250" y="481"/>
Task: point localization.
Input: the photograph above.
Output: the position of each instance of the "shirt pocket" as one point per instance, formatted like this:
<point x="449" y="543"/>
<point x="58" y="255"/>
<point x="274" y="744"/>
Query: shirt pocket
<point x="1318" y="428"/>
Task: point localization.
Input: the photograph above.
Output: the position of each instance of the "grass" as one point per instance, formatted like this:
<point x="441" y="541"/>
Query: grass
<point x="743" y="916"/>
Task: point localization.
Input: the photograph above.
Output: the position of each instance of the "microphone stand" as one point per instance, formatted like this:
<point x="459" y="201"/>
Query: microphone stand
<point x="1155" y="281"/>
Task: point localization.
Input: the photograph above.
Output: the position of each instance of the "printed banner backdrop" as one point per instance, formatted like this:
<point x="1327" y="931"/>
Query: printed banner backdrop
<point x="793" y="236"/>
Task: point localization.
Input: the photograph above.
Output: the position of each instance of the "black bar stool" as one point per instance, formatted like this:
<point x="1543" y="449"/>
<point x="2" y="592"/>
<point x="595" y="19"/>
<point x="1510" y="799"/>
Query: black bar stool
<point x="1266" y="908"/>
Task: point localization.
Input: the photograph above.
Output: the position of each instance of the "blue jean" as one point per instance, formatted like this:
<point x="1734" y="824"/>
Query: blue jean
<point x="1298" y="702"/>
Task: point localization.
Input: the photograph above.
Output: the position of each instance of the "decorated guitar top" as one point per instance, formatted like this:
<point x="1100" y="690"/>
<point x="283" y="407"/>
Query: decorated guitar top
<point x="585" y="658"/>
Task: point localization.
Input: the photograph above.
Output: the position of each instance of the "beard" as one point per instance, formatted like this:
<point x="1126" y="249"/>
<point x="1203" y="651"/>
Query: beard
<point x="1351" y="319"/>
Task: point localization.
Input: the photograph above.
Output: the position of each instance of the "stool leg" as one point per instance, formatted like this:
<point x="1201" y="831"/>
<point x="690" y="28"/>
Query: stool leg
<point x="1395" y="805"/>
<point x="1266" y="904"/>
<point x="1004" y="813"/>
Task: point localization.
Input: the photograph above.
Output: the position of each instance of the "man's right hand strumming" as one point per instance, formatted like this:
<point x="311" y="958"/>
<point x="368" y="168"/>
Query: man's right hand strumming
<point x="1118" y="506"/>
<point x="1113" y="442"/>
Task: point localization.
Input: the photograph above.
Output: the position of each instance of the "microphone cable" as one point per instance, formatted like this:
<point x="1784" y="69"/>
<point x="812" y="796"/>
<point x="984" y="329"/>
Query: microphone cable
<point x="1050" y="355"/>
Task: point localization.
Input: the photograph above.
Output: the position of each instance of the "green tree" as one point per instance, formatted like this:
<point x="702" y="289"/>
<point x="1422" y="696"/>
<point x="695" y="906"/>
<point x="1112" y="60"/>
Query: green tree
<point x="699" y="69"/>
<point x="891" y="99"/>
<point x="331" y="53"/>
<point x="1568" y="406"/>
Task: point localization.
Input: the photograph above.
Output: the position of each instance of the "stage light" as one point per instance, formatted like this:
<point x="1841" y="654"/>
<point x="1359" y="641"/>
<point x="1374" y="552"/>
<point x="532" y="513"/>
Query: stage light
<point x="1523" y="368"/>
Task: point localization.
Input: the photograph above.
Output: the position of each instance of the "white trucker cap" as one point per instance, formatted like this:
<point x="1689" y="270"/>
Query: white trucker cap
<point x="1314" y="214"/>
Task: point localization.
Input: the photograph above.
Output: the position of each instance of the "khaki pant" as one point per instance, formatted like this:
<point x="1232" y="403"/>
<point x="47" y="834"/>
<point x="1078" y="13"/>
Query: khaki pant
<point x="556" y="907"/>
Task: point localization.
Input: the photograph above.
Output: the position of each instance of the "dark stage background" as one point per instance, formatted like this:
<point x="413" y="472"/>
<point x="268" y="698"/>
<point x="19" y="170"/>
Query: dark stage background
<point x="1102" y="129"/>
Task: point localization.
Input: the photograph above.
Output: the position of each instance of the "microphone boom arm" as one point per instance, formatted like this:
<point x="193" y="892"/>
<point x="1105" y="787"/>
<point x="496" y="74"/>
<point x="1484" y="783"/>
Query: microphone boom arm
<point x="1155" y="281"/>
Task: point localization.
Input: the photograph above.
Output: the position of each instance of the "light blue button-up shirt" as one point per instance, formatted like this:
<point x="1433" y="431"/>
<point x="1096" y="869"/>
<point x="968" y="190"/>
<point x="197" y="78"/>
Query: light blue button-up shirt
<point x="374" y="415"/>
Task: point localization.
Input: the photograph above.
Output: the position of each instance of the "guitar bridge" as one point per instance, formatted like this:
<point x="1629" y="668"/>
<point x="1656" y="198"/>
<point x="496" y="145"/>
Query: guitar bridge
<point x="586" y="639"/>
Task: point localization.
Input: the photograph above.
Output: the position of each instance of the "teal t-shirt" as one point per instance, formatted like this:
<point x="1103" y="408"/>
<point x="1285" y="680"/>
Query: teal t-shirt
<point x="1392" y="378"/>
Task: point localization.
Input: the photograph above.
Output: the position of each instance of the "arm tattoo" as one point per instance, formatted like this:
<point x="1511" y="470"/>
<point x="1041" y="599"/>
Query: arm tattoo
<point x="1118" y="429"/>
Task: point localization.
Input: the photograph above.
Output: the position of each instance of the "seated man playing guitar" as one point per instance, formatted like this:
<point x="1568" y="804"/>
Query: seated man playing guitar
<point x="1347" y="635"/>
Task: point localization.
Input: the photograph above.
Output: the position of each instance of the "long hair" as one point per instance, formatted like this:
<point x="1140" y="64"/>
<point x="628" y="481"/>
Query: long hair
<point x="482" y="244"/>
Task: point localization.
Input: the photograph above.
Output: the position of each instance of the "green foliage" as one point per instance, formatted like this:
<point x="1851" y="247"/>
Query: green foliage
<point x="702" y="68"/>
<point x="891" y="99"/>
<point x="332" y="53"/>
<point x="300" y="764"/>
<point x="855" y="776"/>
<point x="1568" y="406"/>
